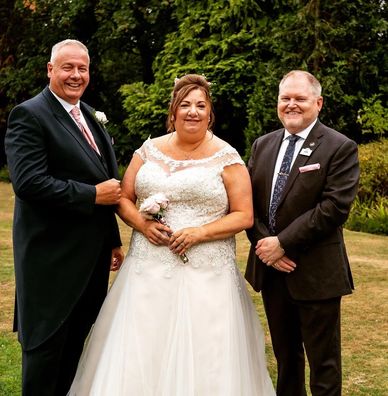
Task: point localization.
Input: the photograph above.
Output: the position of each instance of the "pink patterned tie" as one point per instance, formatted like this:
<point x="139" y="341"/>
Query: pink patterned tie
<point x="84" y="128"/>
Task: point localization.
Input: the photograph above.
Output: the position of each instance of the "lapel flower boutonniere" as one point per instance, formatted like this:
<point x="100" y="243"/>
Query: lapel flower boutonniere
<point x="100" y="117"/>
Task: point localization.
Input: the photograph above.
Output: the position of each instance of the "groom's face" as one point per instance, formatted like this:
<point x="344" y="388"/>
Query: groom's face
<point x="69" y="73"/>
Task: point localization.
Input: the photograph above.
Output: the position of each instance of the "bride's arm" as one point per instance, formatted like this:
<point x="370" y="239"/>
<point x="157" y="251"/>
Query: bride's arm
<point x="128" y="212"/>
<point x="238" y="187"/>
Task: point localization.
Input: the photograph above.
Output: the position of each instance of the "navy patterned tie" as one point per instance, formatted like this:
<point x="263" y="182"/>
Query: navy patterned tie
<point x="281" y="180"/>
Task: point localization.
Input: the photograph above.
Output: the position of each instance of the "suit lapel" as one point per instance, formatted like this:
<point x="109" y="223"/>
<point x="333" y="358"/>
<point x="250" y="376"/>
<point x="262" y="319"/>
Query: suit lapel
<point x="103" y="136"/>
<point x="70" y="127"/>
<point x="311" y="143"/>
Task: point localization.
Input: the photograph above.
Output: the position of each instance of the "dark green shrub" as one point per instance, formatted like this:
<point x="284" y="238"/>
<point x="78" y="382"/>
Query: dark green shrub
<point x="370" y="209"/>
<point x="369" y="216"/>
<point x="374" y="170"/>
<point x="4" y="174"/>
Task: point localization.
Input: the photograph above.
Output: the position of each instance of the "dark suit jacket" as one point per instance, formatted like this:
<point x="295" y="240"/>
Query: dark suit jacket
<point x="58" y="231"/>
<point x="310" y="215"/>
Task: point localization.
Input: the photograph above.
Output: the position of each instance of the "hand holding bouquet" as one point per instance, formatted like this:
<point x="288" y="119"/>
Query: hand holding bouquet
<point x="153" y="208"/>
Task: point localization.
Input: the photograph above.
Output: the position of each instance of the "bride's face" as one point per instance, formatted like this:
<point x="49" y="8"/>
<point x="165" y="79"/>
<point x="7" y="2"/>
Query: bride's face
<point x="193" y="113"/>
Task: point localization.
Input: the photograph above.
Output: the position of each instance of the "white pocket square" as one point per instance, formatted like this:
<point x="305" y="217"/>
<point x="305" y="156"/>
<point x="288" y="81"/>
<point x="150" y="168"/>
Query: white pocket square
<point x="309" y="168"/>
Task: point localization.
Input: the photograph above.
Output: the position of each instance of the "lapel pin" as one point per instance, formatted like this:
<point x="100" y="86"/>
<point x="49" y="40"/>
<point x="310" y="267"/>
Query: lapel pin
<point x="312" y="144"/>
<point x="306" y="152"/>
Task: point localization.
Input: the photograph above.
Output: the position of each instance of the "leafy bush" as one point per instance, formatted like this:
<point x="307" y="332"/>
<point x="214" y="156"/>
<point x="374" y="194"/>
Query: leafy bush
<point x="369" y="216"/>
<point x="370" y="209"/>
<point x="374" y="170"/>
<point x="4" y="174"/>
<point x="372" y="117"/>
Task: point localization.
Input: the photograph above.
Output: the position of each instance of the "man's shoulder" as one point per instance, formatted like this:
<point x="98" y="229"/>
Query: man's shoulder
<point x="269" y="136"/>
<point x="33" y="102"/>
<point x="331" y="134"/>
<point x="42" y="106"/>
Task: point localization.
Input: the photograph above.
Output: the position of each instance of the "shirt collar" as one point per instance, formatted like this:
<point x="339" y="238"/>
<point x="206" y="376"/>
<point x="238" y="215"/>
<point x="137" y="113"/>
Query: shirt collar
<point x="67" y="106"/>
<point x="302" y="134"/>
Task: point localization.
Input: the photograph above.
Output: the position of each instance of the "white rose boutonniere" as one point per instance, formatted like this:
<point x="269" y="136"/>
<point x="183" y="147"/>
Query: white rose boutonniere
<point x="101" y="117"/>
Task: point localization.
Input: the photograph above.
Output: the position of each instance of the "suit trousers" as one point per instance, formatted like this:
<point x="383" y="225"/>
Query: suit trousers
<point x="299" y="327"/>
<point x="49" y="369"/>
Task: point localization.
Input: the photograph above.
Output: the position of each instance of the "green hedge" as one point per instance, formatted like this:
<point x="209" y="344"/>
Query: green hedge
<point x="370" y="209"/>
<point x="4" y="174"/>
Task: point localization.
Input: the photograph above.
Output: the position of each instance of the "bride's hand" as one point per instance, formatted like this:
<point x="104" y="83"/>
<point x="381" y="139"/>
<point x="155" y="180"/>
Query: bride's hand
<point x="184" y="239"/>
<point x="156" y="233"/>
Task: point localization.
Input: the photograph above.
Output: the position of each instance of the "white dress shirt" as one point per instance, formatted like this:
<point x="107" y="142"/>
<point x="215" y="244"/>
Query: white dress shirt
<point x="298" y="145"/>
<point x="68" y="107"/>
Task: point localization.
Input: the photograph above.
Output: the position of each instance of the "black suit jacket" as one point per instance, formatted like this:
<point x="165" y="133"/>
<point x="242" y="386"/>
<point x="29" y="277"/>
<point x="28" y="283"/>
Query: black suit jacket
<point x="58" y="232"/>
<point x="310" y="215"/>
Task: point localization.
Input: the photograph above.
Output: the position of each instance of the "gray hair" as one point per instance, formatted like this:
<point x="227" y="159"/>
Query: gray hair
<point x="315" y="84"/>
<point x="64" y="43"/>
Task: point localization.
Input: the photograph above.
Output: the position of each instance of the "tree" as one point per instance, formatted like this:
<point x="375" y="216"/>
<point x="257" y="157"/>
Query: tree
<point x="245" y="47"/>
<point x="123" y="37"/>
<point x="29" y="29"/>
<point x="214" y="38"/>
<point x="344" y="44"/>
<point x="129" y="36"/>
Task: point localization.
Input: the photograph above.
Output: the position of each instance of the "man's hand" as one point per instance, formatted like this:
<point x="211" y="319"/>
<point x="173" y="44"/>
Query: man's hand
<point x="116" y="258"/>
<point x="284" y="264"/>
<point x="271" y="253"/>
<point x="108" y="192"/>
<point x="269" y="250"/>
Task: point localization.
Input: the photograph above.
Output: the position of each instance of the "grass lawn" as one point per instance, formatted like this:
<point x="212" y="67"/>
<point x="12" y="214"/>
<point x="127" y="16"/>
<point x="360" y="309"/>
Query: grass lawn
<point x="364" y="314"/>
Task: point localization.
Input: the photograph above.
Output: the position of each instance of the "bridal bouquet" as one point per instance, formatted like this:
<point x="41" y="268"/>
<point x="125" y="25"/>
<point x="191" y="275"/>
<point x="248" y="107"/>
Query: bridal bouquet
<point x="153" y="208"/>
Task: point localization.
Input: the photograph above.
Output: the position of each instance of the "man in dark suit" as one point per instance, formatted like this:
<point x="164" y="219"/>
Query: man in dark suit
<point x="302" y="196"/>
<point x="65" y="233"/>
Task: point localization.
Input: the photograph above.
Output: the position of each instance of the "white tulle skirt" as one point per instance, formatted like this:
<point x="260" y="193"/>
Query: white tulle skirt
<point x="192" y="333"/>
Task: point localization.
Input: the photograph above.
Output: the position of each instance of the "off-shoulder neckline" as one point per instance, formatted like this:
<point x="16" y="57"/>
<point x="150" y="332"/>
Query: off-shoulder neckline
<point x="218" y="153"/>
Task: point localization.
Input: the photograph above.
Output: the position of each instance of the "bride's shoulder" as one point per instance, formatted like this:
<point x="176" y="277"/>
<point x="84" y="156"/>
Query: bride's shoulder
<point x="156" y="142"/>
<point x="220" y="145"/>
<point x="147" y="148"/>
<point x="159" y="139"/>
<point x="225" y="154"/>
<point x="159" y="142"/>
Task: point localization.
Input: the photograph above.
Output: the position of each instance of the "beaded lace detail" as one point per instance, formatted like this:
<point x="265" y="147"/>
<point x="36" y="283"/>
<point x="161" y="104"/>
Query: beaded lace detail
<point x="197" y="196"/>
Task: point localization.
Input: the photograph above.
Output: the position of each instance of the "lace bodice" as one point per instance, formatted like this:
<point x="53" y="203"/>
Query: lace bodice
<point x="197" y="196"/>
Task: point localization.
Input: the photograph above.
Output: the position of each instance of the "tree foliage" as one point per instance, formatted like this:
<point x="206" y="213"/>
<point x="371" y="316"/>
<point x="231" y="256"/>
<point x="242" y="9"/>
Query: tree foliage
<point x="373" y="116"/>
<point x="243" y="47"/>
<point x="123" y="37"/>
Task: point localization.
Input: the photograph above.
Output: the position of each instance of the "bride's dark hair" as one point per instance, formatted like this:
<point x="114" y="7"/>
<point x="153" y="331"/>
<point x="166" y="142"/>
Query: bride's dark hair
<point x="183" y="86"/>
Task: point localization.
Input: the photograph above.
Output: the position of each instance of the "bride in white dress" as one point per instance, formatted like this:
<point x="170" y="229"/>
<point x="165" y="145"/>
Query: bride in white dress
<point x="168" y="328"/>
